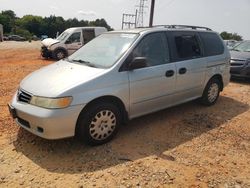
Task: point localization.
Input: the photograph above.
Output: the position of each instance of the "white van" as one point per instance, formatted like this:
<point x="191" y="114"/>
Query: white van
<point x="69" y="41"/>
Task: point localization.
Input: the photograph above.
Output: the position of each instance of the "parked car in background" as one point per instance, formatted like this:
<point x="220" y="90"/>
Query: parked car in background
<point x="5" y="38"/>
<point x="69" y="41"/>
<point x="122" y="75"/>
<point x="230" y="43"/>
<point x="240" y="60"/>
<point x="235" y="44"/>
<point x="16" y="38"/>
<point x="43" y="37"/>
<point x="35" y="38"/>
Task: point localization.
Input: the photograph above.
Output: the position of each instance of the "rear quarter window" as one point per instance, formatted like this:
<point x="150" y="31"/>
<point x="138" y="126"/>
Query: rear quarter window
<point x="212" y="44"/>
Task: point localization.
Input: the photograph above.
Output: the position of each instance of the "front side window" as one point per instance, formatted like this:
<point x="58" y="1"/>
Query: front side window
<point x="155" y="48"/>
<point x="187" y="47"/>
<point x="75" y="37"/>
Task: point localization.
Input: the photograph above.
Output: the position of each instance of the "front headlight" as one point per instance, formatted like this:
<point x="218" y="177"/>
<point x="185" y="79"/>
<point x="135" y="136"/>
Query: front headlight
<point x="53" y="103"/>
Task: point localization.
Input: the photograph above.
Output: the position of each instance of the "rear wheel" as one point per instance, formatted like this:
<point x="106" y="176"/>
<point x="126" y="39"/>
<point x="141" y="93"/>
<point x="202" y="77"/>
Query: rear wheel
<point x="211" y="92"/>
<point x="98" y="124"/>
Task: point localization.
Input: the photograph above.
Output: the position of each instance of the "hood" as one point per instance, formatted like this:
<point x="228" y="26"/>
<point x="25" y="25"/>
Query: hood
<point x="55" y="79"/>
<point x="240" y="55"/>
<point x="49" y="41"/>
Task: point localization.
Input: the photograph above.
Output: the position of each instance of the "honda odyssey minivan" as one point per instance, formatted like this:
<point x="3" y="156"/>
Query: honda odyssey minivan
<point x="119" y="76"/>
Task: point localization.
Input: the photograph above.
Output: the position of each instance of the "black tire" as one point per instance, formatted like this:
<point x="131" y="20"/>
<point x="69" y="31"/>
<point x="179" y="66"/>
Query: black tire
<point x="88" y="122"/>
<point x="213" y="86"/>
<point x="59" y="54"/>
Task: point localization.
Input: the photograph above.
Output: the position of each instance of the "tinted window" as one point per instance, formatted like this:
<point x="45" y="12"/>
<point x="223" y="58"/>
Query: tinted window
<point x="212" y="44"/>
<point x="187" y="47"/>
<point x="154" y="47"/>
<point x="88" y="35"/>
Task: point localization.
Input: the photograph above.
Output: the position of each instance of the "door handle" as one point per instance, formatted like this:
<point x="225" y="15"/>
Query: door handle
<point x="169" y="73"/>
<point x="182" y="70"/>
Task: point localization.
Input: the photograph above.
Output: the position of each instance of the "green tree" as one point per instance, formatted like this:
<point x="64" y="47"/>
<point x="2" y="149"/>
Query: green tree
<point x="101" y="23"/>
<point x="230" y="36"/>
<point x="52" y="25"/>
<point x="7" y="19"/>
<point x="31" y="23"/>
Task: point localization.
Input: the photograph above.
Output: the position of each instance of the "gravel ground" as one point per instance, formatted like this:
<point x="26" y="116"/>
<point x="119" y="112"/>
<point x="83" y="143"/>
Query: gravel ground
<point x="184" y="146"/>
<point x="9" y="45"/>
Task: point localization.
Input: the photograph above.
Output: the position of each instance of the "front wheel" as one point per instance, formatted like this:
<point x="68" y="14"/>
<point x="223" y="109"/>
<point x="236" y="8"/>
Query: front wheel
<point x="59" y="54"/>
<point x="98" y="124"/>
<point x="211" y="92"/>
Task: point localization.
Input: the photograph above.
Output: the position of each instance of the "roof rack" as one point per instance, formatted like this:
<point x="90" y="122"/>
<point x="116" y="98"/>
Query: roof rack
<point x="183" y="27"/>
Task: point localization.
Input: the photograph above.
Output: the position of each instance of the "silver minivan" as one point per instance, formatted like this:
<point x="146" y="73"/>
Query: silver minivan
<point x="119" y="76"/>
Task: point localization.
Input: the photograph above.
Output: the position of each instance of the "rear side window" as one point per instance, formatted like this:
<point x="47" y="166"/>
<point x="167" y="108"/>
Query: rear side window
<point x="212" y="44"/>
<point x="187" y="47"/>
<point x="88" y="35"/>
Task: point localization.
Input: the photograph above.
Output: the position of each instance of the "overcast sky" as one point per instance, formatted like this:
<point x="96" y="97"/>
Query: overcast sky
<point x="220" y="15"/>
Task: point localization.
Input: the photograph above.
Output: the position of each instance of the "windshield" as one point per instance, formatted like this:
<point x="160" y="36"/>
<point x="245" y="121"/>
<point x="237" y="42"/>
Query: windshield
<point x="62" y="36"/>
<point x="243" y="47"/>
<point x="104" y="50"/>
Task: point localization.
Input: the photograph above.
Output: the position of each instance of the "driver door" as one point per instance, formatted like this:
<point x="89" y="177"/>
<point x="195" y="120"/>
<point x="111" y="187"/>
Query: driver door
<point x="152" y="87"/>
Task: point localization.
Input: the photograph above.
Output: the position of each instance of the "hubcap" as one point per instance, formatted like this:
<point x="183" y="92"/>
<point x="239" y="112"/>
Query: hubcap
<point x="102" y="125"/>
<point x="60" y="55"/>
<point x="213" y="92"/>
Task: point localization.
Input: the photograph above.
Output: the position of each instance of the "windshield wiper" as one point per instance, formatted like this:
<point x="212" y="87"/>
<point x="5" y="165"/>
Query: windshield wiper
<point x="84" y="62"/>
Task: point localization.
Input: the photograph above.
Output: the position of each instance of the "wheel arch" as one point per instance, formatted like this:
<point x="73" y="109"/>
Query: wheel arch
<point x="220" y="79"/>
<point x="110" y="99"/>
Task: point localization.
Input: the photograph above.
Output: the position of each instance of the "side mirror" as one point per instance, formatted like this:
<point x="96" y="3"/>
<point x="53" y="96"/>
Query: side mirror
<point x="138" y="62"/>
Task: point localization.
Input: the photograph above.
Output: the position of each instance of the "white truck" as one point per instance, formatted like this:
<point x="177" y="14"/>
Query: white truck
<point x="69" y="41"/>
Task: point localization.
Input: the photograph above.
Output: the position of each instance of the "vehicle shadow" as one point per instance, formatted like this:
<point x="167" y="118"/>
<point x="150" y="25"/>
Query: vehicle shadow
<point x="243" y="81"/>
<point x="150" y="135"/>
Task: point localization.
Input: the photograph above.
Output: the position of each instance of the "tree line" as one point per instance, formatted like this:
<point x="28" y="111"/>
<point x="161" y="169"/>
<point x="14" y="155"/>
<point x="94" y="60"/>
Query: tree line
<point x="30" y="25"/>
<point x="231" y="36"/>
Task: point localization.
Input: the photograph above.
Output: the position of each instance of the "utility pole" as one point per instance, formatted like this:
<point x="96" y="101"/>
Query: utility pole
<point x="152" y="13"/>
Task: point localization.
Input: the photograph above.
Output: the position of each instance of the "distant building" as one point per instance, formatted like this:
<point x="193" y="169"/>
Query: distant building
<point x="1" y="33"/>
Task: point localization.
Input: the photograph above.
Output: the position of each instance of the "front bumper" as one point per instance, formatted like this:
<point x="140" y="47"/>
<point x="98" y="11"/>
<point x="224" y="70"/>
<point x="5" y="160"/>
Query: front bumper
<point x="45" y="52"/>
<point x="46" y="123"/>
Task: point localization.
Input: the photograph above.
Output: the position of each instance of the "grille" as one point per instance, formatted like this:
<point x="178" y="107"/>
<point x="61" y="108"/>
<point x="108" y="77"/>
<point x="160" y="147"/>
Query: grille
<point x="23" y="96"/>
